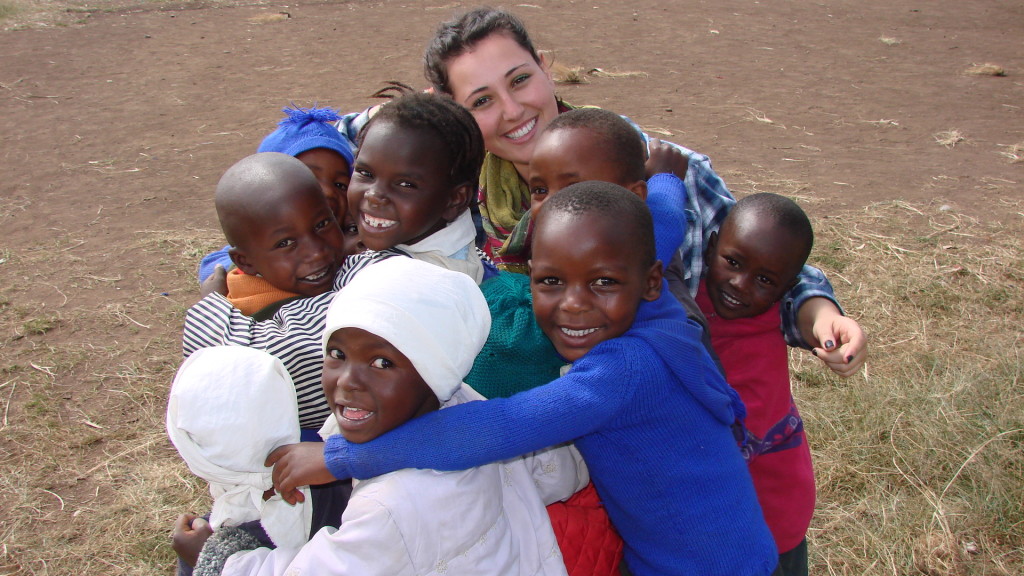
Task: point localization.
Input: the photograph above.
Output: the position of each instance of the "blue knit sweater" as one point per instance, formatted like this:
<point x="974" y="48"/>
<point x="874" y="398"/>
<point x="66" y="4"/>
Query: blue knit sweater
<point x="651" y="415"/>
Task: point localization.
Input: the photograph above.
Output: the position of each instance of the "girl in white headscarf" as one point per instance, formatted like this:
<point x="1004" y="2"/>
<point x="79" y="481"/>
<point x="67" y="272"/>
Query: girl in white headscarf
<point x="399" y="339"/>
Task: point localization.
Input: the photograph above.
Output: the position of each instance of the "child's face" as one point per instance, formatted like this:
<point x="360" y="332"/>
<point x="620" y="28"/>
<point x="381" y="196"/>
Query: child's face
<point x="371" y="387"/>
<point x="350" y="232"/>
<point x="333" y="174"/>
<point x="567" y="156"/>
<point x="751" y="264"/>
<point x="400" y="191"/>
<point x="587" y="281"/>
<point x="296" y="247"/>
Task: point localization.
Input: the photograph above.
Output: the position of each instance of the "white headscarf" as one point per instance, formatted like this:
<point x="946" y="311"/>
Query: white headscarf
<point x="230" y="406"/>
<point x="437" y="318"/>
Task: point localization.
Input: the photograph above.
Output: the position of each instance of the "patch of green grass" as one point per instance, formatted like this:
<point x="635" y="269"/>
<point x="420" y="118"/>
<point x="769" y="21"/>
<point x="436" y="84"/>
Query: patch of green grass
<point x="833" y="256"/>
<point x="37" y="326"/>
<point x="40" y="405"/>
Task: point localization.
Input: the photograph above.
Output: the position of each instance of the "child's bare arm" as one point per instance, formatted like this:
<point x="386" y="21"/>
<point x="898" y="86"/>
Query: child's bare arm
<point x="297" y="465"/>
<point x="664" y="158"/>
<point x="838" y="340"/>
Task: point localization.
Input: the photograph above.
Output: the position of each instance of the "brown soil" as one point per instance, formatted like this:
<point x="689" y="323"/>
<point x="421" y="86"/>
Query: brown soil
<point x="117" y="126"/>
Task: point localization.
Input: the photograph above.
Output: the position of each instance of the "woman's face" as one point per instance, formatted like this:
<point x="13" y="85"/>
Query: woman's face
<point x="511" y="96"/>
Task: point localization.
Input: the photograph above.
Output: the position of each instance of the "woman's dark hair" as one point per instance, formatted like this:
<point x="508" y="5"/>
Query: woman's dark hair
<point x="455" y="37"/>
<point x="453" y="125"/>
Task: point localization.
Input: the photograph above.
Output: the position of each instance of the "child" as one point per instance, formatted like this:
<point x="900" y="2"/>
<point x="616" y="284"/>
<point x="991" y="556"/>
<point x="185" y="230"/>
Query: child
<point x="578" y="145"/>
<point x="417" y="165"/>
<point x="307" y="134"/>
<point x="285" y="241"/>
<point x="752" y="260"/>
<point x="643" y="402"/>
<point x="228" y="407"/>
<point x="396" y="350"/>
<point x="414" y="177"/>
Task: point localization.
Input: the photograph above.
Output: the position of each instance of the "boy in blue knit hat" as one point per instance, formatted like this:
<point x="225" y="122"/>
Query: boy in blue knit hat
<point x="307" y="134"/>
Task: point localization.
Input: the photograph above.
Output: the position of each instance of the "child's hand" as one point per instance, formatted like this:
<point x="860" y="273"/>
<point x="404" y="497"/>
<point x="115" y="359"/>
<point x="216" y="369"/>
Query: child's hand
<point x="298" y="465"/>
<point x="215" y="282"/>
<point x="666" y="158"/>
<point x="844" y="346"/>
<point x="189" y="535"/>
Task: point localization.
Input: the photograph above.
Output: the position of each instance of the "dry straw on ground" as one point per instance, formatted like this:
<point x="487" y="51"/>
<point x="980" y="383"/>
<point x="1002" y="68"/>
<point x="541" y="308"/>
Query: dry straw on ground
<point x="949" y="138"/>
<point x="986" y="69"/>
<point x="917" y="458"/>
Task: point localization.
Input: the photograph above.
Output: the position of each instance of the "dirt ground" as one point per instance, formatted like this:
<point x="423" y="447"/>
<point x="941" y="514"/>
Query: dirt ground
<point x="117" y="123"/>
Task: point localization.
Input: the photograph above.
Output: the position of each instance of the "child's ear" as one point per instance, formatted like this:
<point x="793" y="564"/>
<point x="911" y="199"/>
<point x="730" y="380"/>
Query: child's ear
<point x="654" y="277"/>
<point x="458" y="201"/>
<point x="794" y="281"/>
<point x="639" y="188"/>
<point x="712" y="242"/>
<point x="241" y="261"/>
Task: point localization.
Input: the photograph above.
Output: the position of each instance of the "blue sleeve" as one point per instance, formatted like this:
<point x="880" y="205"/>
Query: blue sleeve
<point x="666" y="197"/>
<point x="812" y="284"/>
<point x="477" y="433"/>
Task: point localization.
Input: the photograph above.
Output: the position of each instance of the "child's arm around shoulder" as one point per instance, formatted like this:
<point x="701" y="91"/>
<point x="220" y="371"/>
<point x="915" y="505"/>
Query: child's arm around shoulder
<point x="667" y="197"/>
<point x="474" y="433"/>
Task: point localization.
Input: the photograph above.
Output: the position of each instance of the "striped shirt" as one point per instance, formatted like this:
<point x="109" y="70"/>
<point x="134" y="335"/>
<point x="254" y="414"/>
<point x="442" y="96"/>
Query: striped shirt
<point x="294" y="334"/>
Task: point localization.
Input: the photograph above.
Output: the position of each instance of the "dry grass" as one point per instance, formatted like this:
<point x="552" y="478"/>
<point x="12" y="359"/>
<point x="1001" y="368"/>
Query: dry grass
<point x="89" y="482"/>
<point x="601" y="73"/>
<point x="568" y="74"/>
<point x="917" y="458"/>
<point x="270" y="17"/>
<point x="949" y="138"/>
<point x="1015" y="152"/>
<point x="986" y="69"/>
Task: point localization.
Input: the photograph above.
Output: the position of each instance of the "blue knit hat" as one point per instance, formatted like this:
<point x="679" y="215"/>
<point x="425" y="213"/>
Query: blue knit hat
<point x="304" y="129"/>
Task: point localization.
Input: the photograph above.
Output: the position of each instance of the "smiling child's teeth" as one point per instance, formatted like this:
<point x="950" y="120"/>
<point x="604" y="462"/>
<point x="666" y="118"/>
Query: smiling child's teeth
<point x="730" y="299"/>
<point x="578" y="333"/>
<point x="378" y="222"/>
<point x="355" y="414"/>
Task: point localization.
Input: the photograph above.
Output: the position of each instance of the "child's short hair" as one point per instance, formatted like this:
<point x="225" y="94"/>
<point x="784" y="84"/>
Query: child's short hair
<point x="780" y="212"/>
<point x="612" y="202"/>
<point x="625" y="143"/>
<point x="261" y="172"/>
<point x="304" y="129"/>
<point x="453" y="125"/>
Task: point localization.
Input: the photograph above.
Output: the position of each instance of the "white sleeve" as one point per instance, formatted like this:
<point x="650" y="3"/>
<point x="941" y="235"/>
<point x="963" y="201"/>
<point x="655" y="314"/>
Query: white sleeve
<point x="369" y="543"/>
<point x="558" y="472"/>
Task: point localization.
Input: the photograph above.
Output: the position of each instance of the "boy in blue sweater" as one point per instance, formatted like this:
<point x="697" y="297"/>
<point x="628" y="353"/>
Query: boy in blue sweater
<point x="643" y="401"/>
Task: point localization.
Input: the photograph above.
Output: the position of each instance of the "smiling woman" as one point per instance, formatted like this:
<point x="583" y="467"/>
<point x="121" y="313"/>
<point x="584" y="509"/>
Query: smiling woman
<point x="485" y="60"/>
